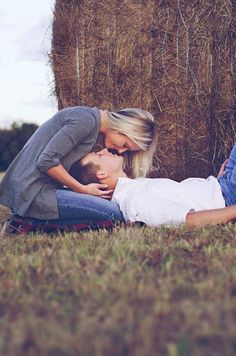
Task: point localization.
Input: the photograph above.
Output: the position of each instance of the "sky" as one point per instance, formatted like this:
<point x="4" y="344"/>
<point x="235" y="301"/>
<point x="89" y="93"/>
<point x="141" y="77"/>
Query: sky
<point x="26" y="80"/>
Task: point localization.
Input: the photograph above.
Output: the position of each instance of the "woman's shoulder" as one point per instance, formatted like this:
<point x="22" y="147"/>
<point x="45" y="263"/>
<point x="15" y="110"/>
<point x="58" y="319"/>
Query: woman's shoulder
<point x="80" y="115"/>
<point x="80" y="110"/>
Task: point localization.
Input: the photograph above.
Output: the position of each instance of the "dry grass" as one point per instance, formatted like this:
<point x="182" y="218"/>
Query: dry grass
<point x="135" y="291"/>
<point x="174" y="58"/>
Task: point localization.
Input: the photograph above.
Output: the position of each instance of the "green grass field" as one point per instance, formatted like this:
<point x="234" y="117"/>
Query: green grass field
<point x="135" y="291"/>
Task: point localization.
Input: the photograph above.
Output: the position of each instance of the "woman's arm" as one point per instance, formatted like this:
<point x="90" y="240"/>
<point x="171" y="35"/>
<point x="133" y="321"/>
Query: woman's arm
<point x="60" y="174"/>
<point x="211" y="217"/>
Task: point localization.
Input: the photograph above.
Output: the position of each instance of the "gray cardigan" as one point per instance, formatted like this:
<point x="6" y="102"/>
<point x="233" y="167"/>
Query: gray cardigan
<point x="26" y="188"/>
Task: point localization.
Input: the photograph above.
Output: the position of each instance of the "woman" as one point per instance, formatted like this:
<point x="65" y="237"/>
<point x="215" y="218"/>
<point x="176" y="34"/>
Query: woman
<point x="33" y="184"/>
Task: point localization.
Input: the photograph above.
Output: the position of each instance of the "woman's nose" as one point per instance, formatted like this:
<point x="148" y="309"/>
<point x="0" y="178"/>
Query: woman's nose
<point x="122" y="150"/>
<point x="103" y="151"/>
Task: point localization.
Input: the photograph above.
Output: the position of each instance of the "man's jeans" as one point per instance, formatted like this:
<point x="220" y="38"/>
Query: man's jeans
<point x="228" y="180"/>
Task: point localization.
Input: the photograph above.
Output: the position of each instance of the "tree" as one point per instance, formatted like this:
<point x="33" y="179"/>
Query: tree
<point x="12" y="141"/>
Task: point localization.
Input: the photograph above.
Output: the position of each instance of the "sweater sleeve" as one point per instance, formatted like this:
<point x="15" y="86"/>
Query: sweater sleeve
<point x="73" y="132"/>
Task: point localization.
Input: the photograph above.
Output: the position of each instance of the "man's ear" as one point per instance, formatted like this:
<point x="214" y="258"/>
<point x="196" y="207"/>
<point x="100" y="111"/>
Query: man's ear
<point x="101" y="174"/>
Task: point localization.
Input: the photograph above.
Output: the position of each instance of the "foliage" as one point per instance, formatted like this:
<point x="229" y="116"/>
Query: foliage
<point x="135" y="291"/>
<point x="12" y="141"/>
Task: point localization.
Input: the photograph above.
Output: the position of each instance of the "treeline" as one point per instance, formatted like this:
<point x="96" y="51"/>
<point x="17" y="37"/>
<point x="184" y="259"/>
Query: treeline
<point x="12" y="140"/>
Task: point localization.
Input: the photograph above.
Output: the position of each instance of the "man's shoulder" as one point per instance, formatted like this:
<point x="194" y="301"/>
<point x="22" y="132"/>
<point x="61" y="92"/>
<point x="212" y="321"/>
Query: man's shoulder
<point x="123" y="186"/>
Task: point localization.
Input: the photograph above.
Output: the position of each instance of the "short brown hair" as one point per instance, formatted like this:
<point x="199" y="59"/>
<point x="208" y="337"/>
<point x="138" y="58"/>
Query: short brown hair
<point x="84" y="174"/>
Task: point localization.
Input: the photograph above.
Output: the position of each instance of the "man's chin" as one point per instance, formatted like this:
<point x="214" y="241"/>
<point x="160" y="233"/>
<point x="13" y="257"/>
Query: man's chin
<point x="121" y="158"/>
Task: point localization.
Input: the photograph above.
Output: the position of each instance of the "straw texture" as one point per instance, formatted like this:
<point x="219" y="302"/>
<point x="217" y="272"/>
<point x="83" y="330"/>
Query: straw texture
<point x="174" y="58"/>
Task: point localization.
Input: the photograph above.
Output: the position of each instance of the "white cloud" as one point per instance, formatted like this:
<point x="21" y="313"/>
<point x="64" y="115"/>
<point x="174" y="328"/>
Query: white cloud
<point x="24" y="70"/>
<point x="35" y="42"/>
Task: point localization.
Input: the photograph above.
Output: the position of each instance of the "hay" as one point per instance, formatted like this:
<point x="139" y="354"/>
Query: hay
<point x="173" y="58"/>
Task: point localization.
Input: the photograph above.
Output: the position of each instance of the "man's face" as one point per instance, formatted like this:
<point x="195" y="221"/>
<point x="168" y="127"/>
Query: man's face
<point x="107" y="161"/>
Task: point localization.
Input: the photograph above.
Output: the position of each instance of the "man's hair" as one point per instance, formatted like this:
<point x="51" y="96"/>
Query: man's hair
<point x="85" y="174"/>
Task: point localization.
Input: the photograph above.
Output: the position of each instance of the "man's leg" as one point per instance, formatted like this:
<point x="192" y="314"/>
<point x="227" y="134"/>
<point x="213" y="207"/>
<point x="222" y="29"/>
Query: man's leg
<point x="231" y="164"/>
<point x="228" y="180"/>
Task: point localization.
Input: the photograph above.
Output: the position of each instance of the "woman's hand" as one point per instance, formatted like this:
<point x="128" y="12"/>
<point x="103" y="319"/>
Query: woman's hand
<point x="98" y="190"/>
<point x="222" y="169"/>
<point x="61" y="175"/>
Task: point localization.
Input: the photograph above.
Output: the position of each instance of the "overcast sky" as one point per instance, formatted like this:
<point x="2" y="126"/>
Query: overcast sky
<point x="25" y="75"/>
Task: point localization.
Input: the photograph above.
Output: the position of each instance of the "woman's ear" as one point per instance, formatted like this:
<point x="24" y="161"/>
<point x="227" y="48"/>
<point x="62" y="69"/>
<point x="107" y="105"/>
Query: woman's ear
<point x="102" y="174"/>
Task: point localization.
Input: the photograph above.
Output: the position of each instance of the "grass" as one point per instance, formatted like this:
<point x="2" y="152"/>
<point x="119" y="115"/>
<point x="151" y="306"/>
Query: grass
<point x="135" y="291"/>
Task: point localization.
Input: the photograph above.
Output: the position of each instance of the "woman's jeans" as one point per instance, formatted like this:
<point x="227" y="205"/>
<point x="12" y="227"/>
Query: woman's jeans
<point x="75" y="208"/>
<point x="228" y="180"/>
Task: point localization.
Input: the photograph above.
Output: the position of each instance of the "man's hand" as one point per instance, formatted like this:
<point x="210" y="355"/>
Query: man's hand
<point x="222" y="169"/>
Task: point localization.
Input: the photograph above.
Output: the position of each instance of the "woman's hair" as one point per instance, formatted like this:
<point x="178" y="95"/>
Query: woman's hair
<point x="139" y="126"/>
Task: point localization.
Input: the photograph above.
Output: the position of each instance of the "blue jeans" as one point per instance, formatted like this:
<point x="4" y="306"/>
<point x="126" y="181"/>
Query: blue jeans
<point x="75" y="208"/>
<point x="228" y="180"/>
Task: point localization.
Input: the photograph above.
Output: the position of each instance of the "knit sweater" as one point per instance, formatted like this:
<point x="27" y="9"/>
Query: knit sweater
<point x="69" y="135"/>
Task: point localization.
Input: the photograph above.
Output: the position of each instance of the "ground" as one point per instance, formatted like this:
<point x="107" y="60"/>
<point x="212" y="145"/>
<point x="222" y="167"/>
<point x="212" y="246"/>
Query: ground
<point x="132" y="291"/>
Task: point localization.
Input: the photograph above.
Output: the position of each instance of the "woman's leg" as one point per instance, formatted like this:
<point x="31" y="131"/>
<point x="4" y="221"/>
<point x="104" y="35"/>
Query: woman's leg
<point x="76" y="212"/>
<point x="78" y="207"/>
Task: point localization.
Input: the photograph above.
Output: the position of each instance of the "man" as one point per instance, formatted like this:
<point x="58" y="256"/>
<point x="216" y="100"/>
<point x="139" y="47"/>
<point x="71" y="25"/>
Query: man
<point x="159" y="201"/>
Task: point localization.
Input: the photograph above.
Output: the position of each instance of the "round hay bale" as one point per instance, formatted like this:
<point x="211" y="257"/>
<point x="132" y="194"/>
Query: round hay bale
<point x="173" y="58"/>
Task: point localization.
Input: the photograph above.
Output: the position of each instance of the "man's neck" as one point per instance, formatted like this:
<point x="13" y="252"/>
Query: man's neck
<point x="112" y="180"/>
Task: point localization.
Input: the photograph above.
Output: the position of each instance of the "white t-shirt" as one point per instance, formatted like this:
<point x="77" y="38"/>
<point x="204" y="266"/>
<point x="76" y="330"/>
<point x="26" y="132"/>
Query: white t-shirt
<point x="157" y="201"/>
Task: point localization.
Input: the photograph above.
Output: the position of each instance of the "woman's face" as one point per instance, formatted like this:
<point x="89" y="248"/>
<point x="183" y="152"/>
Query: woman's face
<point x="119" y="142"/>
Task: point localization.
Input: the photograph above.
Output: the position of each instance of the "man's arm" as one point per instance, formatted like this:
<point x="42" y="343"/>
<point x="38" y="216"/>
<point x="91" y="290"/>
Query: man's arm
<point x="211" y="217"/>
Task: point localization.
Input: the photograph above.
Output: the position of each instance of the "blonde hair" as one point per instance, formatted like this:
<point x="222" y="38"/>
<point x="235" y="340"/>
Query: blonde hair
<point x="139" y="126"/>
